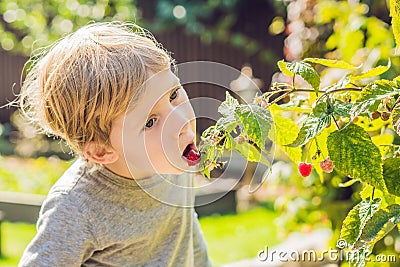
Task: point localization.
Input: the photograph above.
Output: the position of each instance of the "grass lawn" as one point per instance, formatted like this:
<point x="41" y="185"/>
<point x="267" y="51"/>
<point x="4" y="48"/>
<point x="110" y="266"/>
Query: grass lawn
<point x="235" y="237"/>
<point x="15" y="237"/>
<point x="229" y="238"/>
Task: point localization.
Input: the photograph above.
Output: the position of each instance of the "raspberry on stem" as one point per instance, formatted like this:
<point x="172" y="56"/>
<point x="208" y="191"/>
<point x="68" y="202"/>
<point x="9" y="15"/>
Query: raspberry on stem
<point x="305" y="169"/>
<point x="327" y="165"/>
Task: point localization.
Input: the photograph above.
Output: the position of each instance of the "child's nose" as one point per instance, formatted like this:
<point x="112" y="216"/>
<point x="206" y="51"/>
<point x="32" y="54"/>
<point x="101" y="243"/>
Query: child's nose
<point x="187" y="129"/>
<point x="183" y="121"/>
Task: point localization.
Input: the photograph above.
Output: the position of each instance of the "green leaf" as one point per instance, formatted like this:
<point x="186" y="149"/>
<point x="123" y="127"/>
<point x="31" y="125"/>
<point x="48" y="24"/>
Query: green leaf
<point x="383" y="141"/>
<point x="340" y="64"/>
<point x="318" y="119"/>
<point x="355" y="155"/>
<point x="255" y="122"/>
<point x="356" y="219"/>
<point x="282" y="136"/>
<point x="371" y="73"/>
<point x="342" y="83"/>
<point x="397" y="81"/>
<point x="396" y="118"/>
<point x="227" y="124"/>
<point x="379" y="225"/>
<point x="371" y="95"/>
<point x="207" y="150"/>
<point x="227" y="108"/>
<point x="305" y="70"/>
<point x="395" y="14"/>
<point x="391" y="175"/>
<point x="340" y="108"/>
<point x="250" y="152"/>
<point x="358" y="257"/>
<point x="387" y="199"/>
<point x="284" y="69"/>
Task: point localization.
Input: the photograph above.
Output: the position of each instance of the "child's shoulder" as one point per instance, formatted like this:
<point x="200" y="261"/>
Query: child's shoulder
<point x="74" y="187"/>
<point x="70" y="178"/>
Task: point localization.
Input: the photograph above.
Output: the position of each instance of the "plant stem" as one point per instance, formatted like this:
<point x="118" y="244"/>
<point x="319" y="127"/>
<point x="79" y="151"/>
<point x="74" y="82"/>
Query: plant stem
<point x="337" y="125"/>
<point x="318" y="149"/>
<point x="357" y="89"/>
<point x="324" y="93"/>
<point x="397" y="102"/>
<point x="294" y="77"/>
<point x="281" y="97"/>
<point x="373" y="192"/>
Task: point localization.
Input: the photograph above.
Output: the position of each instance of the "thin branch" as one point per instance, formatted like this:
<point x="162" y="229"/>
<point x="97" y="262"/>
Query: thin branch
<point x="337" y="125"/>
<point x="295" y="90"/>
<point x="357" y="89"/>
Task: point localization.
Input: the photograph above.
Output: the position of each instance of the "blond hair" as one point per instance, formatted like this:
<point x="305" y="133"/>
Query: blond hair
<point x="75" y="88"/>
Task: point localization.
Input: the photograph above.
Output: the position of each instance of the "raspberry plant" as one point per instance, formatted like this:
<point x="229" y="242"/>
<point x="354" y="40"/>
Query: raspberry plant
<point x="349" y="128"/>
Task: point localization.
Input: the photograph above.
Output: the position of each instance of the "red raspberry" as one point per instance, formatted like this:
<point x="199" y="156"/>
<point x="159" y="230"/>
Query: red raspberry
<point x="193" y="157"/>
<point x="305" y="169"/>
<point x="327" y="165"/>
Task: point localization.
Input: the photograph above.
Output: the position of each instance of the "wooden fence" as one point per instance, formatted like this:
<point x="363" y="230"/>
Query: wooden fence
<point x="185" y="48"/>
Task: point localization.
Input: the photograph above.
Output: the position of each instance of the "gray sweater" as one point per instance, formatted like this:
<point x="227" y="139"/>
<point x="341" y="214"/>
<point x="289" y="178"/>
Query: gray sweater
<point x="97" y="218"/>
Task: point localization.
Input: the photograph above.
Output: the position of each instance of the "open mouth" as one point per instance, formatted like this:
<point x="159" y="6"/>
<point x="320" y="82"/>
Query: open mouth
<point x="191" y="155"/>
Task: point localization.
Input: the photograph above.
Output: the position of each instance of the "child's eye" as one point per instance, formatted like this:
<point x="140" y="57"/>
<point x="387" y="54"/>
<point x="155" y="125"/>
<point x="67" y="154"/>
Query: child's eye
<point x="174" y="95"/>
<point x="150" y="123"/>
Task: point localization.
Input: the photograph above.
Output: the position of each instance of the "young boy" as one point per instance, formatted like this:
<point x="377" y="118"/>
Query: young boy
<point x="110" y="93"/>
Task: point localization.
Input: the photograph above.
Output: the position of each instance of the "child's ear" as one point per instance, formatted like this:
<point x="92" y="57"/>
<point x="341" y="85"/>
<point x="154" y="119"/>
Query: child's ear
<point x="99" y="153"/>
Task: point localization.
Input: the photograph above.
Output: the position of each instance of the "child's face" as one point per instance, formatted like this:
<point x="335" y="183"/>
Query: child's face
<point x="153" y="136"/>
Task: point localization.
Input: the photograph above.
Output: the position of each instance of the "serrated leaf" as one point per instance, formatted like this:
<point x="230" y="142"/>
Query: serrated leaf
<point x="227" y="124"/>
<point x="291" y="107"/>
<point x="371" y="95"/>
<point x="340" y="64"/>
<point x="358" y="258"/>
<point x="397" y="81"/>
<point x="371" y="72"/>
<point x="391" y="175"/>
<point x="396" y="118"/>
<point x="281" y="136"/>
<point x="387" y="199"/>
<point x="342" y="83"/>
<point x="250" y="152"/>
<point x="207" y="149"/>
<point x="382" y="141"/>
<point x="355" y="155"/>
<point x="356" y="219"/>
<point x="255" y="122"/>
<point x="340" y="108"/>
<point x="227" y="108"/>
<point x="380" y="224"/>
<point x="318" y="119"/>
<point x="395" y="14"/>
<point x="305" y="70"/>
<point x="284" y="69"/>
